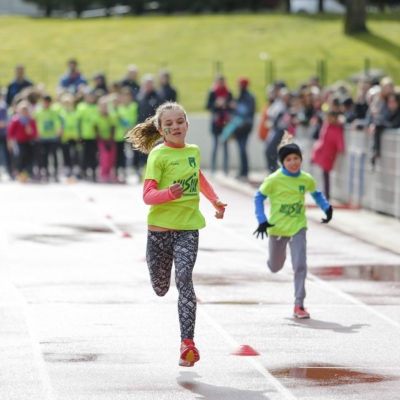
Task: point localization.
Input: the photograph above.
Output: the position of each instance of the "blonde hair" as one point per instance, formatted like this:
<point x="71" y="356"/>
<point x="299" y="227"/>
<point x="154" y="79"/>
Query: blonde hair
<point x="287" y="138"/>
<point x="144" y="136"/>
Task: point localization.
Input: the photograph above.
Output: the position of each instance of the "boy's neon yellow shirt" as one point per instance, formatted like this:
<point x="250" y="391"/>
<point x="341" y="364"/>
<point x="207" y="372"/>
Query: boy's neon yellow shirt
<point x="127" y="116"/>
<point x="287" y="199"/>
<point x="168" y="165"/>
<point x="48" y="123"/>
<point x="70" y="125"/>
<point x="87" y="115"/>
<point x="104" y="124"/>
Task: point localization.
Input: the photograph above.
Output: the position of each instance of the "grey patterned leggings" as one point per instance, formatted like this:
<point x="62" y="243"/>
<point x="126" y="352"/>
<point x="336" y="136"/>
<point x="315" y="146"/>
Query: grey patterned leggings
<point x="180" y="247"/>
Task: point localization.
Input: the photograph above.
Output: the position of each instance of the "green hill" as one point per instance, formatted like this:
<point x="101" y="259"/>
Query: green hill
<point x="193" y="48"/>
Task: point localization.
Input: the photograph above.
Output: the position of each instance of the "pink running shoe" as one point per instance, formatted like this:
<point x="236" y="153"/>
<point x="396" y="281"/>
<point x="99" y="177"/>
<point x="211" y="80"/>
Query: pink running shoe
<point x="300" y="312"/>
<point x="189" y="353"/>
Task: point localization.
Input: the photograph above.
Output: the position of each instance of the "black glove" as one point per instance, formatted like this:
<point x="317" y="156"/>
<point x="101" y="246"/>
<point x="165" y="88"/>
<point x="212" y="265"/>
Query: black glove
<point x="328" y="213"/>
<point x="262" y="229"/>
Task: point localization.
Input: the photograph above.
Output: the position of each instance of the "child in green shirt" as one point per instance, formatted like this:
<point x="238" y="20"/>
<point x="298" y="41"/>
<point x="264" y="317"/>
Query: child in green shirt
<point x="88" y="112"/>
<point x="70" y="135"/>
<point x="286" y="189"/>
<point x="172" y="187"/>
<point x="104" y="126"/>
<point x="126" y="112"/>
<point x="49" y="131"/>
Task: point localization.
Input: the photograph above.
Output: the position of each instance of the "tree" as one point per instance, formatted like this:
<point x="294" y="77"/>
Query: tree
<point x="287" y="6"/>
<point x="137" y="6"/>
<point x="355" y="17"/>
<point x="46" y="5"/>
<point x="321" y="6"/>
<point x="76" y="5"/>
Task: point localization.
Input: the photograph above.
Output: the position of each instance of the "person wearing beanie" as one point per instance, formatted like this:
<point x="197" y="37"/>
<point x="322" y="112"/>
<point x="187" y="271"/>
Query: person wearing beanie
<point x="286" y="189"/>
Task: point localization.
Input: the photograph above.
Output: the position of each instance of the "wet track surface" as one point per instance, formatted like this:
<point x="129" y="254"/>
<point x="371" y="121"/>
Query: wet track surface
<point x="80" y="321"/>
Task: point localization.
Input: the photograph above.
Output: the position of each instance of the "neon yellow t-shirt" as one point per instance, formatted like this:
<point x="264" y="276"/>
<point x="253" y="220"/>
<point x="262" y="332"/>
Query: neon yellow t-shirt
<point x="48" y="123"/>
<point x="70" y="124"/>
<point x="127" y="119"/>
<point x="287" y="197"/>
<point x="87" y="115"/>
<point x="168" y="165"/>
<point x="104" y="124"/>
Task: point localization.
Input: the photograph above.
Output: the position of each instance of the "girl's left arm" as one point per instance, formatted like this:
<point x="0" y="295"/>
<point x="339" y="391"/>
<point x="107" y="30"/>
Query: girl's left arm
<point x="208" y="191"/>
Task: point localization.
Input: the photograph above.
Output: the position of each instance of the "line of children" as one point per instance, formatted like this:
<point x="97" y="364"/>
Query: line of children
<point x="89" y="135"/>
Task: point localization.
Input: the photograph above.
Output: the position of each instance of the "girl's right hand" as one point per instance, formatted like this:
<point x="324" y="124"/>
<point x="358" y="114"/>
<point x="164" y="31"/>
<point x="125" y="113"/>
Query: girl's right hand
<point x="177" y="190"/>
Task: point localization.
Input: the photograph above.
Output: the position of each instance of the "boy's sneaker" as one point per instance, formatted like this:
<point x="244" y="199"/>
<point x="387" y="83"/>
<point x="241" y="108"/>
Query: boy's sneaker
<point x="300" y="312"/>
<point x="189" y="353"/>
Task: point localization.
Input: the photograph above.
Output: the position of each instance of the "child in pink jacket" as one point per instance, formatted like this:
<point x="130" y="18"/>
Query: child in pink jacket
<point x="328" y="145"/>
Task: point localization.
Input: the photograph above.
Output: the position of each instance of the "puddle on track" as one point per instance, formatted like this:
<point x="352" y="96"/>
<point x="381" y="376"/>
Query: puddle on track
<point x="75" y="358"/>
<point x="327" y="375"/>
<point x="57" y="238"/>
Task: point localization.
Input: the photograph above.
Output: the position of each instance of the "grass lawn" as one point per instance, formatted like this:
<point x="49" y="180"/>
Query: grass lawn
<point x="193" y="48"/>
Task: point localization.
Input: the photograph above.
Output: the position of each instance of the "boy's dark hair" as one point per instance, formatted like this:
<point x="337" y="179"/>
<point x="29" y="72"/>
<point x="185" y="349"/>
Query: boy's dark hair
<point x="347" y="102"/>
<point x="47" y="98"/>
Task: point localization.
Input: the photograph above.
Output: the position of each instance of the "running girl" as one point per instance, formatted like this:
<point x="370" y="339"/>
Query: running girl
<point x="286" y="189"/>
<point x="172" y="184"/>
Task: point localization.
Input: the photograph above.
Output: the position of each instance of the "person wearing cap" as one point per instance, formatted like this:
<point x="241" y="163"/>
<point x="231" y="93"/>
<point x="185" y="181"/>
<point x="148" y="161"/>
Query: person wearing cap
<point x="131" y="80"/>
<point x="286" y="189"/>
<point x="100" y="83"/>
<point x="165" y="90"/>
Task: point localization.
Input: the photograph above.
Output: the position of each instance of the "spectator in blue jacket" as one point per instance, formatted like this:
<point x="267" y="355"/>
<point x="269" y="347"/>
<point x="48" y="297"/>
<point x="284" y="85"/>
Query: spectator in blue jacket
<point x="73" y="78"/>
<point x="19" y="83"/>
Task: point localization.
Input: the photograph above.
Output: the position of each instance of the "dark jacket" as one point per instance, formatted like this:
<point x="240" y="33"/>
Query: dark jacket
<point x="147" y="105"/>
<point x="15" y="87"/>
<point x="167" y="93"/>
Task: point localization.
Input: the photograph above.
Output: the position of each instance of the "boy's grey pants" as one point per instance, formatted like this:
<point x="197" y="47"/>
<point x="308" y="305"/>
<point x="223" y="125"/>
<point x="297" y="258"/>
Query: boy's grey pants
<point x="277" y="256"/>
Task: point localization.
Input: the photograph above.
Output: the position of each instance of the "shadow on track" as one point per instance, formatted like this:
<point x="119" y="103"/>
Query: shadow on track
<point x="326" y="325"/>
<point x="191" y="381"/>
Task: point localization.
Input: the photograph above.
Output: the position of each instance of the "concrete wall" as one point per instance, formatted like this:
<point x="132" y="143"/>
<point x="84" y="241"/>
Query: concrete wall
<point x="352" y="180"/>
<point x="200" y="134"/>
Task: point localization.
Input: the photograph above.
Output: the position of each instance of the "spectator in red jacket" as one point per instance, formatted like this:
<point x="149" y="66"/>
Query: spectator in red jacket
<point x="328" y="145"/>
<point x="21" y="134"/>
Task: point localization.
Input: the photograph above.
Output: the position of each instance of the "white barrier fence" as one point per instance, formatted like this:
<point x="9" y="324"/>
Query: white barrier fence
<point x="352" y="180"/>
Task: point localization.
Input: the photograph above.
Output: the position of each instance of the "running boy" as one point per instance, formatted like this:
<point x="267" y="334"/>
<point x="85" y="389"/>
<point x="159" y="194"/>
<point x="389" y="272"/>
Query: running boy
<point x="286" y="189"/>
<point x="172" y="184"/>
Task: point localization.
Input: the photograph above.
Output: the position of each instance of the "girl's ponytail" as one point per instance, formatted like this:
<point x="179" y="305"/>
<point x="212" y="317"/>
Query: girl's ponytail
<point x="144" y="136"/>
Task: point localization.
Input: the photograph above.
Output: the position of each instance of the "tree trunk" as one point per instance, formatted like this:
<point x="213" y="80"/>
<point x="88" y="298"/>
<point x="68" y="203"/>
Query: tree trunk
<point x="287" y="6"/>
<point x="355" y="17"/>
<point x="321" y="6"/>
<point x="48" y="9"/>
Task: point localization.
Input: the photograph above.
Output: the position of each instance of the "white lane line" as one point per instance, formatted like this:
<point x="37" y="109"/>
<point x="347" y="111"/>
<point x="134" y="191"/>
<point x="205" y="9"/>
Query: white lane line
<point x="319" y="282"/>
<point x="99" y="211"/>
<point x="48" y="390"/>
<point x="255" y="364"/>
<point x="315" y="280"/>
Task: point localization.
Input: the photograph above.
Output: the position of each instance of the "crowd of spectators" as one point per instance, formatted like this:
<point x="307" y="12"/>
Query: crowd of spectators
<point x="374" y="108"/>
<point x="86" y="123"/>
